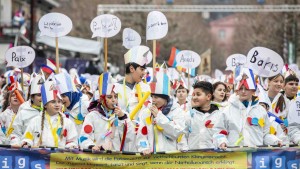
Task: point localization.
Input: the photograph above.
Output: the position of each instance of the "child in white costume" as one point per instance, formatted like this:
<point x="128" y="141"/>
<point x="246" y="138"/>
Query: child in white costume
<point x="244" y="122"/>
<point x="162" y="124"/>
<point x="276" y="122"/>
<point x="10" y="107"/>
<point x="27" y="111"/>
<point x="106" y="127"/>
<point x="132" y="88"/>
<point x="219" y="96"/>
<point x="201" y="118"/>
<point x="291" y="85"/>
<point x="75" y="103"/>
<point x="51" y="129"/>
<point x="181" y="94"/>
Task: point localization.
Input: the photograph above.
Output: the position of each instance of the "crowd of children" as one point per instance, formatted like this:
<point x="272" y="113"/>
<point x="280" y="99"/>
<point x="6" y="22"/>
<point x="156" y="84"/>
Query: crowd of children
<point x="138" y="116"/>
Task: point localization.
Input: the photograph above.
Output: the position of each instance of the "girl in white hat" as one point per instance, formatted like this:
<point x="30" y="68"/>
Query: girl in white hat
<point x="74" y="101"/>
<point x="107" y="127"/>
<point x="51" y="129"/>
<point x="10" y="110"/>
<point x="161" y="125"/>
<point x="28" y="110"/>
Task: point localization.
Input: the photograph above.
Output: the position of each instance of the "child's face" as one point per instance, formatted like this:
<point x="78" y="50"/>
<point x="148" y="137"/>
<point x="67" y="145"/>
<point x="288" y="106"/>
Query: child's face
<point x="219" y="93"/>
<point x="37" y="99"/>
<point x="138" y="73"/>
<point x="14" y="100"/>
<point x="54" y="106"/>
<point x="111" y="100"/>
<point x="291" y="88"/>
<point x="158" y="101"/>
<point x="199" y="98"/>
<point x="65" y="100"/>
<point x="276" y="84"/>
<point x="245" y="94"/>
<point x="181" y="94"/>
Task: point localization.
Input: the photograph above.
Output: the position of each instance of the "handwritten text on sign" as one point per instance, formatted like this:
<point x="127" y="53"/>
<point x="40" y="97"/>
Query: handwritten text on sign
<point x="131" y="38"/>
<point x="157" y="25"/>
<point x="55" y="25"/>
<point x="235" y="60"/>
<point x="264" y="62"/>
<point x="188" y="59"/>
<point x="20" y="56"/>
<point x="105" y="26"/>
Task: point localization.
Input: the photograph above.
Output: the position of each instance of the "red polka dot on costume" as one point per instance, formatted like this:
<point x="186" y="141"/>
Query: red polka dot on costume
<point x="88" y="129"/>
<point x="249" y="119"/>
<point x="207" y="123"/>
<point x="224" y="132"/>
<point x="65" y="133"/>
<point x="144" y="130"/>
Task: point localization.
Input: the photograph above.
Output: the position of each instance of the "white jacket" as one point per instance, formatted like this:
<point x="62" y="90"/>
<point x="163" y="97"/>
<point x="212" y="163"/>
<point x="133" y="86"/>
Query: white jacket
<point x="79" y="107"/>
<point x="294" y="123"/>
<point x="33" y="133"/>
<point x="6" y="118"/>
<point x="199" y="127"/>
<point x="234" y="123"/>
<point x="163" y="132"/>
<point x="273" y="105"/>
<point x="128" y="100"/>
<point x="98" y="129"/>
<point x="22" y="119"/>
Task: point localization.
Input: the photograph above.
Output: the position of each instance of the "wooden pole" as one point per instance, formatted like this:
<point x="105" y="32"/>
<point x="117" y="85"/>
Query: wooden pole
<point x="154" y="56"/>
<point x="105" y="54"/>
<point x="22" y="80"/>
<point x="57" y="55"/>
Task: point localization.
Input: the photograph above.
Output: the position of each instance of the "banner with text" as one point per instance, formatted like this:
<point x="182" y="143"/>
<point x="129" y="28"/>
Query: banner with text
<point x="288" y="158"/>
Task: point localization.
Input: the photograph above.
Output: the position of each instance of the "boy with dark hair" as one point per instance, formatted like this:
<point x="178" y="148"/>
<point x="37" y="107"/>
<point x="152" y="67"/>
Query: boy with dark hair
<point x="181" y="94"/>
<point x="291" y="86"/>
<point x="132" y="87"/>
<point x="201" y="118"/>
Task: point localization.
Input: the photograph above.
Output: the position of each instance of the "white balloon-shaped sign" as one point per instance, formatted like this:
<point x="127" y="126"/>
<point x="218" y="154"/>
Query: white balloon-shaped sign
<point x="105" y="26"/>
<point x="131" y="38"/>
<point x="157" y="25"/>
<point x="55" y="25"/>
<point x="235" y="60"/>
<point x="218" y="74"/>
<point x="264" y="62"/>
<point x="188" y="59"/>
<point x="294" y="67"/>
<point x="19" y="56"/>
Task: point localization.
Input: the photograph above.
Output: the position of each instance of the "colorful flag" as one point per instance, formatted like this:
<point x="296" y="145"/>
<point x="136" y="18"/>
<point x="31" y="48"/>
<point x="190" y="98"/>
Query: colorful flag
<point x="172" y="62"/>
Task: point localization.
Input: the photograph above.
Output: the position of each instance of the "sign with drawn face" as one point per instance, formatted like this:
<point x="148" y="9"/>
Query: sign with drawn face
<point x="157" y="25"/>
<point x="55" y="25"/>
<point x="188" y="59"/>
<point x="19" y="56"/>
<point x="264" y="62"/>
<point x="235" y="60"/>
<point x="105" y="26"/>
<point x="131" y="38"/>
